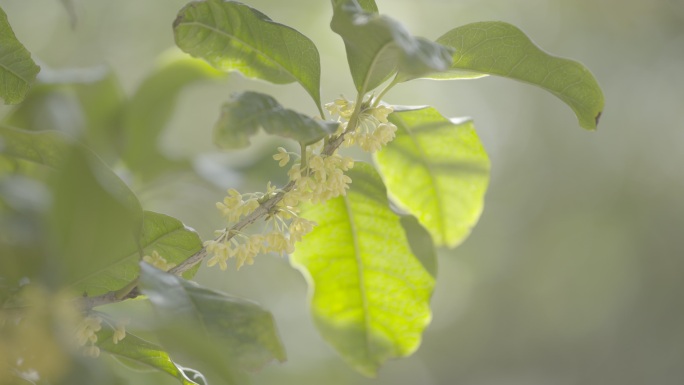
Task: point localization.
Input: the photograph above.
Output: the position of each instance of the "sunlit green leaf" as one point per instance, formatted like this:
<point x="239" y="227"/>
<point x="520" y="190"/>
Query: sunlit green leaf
<point x="150" y="108"/>
<point x="248" y="111"/>
<point x="497" y="48"/>
<point x="369" y="293"/>
<point x="378" y="46"/>
<point x="161" y="233"/>
<point x="140" y="351"/>
<point x="234" y="37"/>
<point x="437" y="170"/>
<point x="217" y="330"/>
<point x="17" y="69"/>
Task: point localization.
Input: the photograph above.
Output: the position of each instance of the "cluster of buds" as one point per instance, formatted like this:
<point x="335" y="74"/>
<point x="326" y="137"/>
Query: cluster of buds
<point x="284" y="228"/>
<point x="86" y="334"/>
<point x="158" y="261"/>
<point x="373" y="130"/>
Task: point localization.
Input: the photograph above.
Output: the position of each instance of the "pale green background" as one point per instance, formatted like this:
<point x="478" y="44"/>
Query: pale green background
<point x="574" y="274"/>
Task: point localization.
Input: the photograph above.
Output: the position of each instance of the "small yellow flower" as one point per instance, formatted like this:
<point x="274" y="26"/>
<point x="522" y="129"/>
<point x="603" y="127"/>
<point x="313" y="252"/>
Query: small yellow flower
<point x="119" y="332"/>
<point x="158" y="261"/>
<point x="282" y="156"/>
<point x="86" y="332"/>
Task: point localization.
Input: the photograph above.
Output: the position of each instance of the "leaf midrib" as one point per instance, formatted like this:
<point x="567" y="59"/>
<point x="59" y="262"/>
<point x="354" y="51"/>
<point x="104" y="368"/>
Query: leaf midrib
<point x="360" y="276"/>
<point x="14" y="74"/>
<point x="243" y="42"/>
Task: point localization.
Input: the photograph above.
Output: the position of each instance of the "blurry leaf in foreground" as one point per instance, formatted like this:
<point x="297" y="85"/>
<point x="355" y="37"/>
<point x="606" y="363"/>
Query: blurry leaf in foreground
<point x="94" y="216"/>
<point x="220" y="334"/>
<point x="437" y="170"/>
<point x="82" y="102"/>
<point x="24" y="203"/>
<point x="152" y="106"/>
<point x="91" y="225"/>
<point x="17" y="69"/>
<point x="161" y="233"/>
<point x="369" y="294"/>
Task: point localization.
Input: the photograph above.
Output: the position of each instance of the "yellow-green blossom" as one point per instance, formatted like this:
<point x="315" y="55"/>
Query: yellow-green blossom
<point x="158" y="261"/>
<point x="282" y="156"/>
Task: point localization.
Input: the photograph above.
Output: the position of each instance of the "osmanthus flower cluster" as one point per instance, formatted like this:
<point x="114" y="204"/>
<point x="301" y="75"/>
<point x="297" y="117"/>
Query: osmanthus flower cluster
<point x="86" y="333"/>
<point x="316" y="178"/>
<point x="373" y="129"/>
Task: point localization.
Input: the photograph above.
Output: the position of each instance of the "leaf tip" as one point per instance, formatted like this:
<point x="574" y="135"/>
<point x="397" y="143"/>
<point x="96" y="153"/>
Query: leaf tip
<point x="597" y="118"/>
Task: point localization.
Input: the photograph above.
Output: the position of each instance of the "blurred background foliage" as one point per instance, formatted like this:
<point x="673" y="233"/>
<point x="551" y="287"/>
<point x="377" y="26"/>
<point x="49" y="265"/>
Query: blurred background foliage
<point x="574" y="273"/>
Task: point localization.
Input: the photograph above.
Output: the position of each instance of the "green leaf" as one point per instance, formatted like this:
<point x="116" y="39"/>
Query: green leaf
<point x="247" y="111"/>
<point x="94" y="219"/>
<point x="370" y="295"/>
<point x="378" y="46"/>
<point x="83" y="102"/>
<point x="47" y="148"/>
<point x="422" y="245"/>
<point x="151" y="108"/>
<point x="140" y="351"/>
<point x="91" y="224"/>
<point x="24" y="203"/>
<point x="101" y="102"/>
<point x="215" y="329"/>
<point x="437" y="170"/>
<point x="51" y="148"/>
<point x="497" y="48"/>
<point x="234" y="37"/>
<point x="164" y="234"/>
<point x="17" y="69"/>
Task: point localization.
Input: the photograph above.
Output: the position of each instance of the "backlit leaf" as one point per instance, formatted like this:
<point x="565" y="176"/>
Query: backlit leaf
<point x="17" y="69"/>
<point x="497" y="48"/>
<point x="161" y="233"/>
<point x="140" y="351"/>
<point x="437" y="170"/>
<point x="378" y="46"/>
<point x="248" y="111"/>
<point x="222" y="333"/>
<point x="369" y="293"/>
<point x="234" y="37"/>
